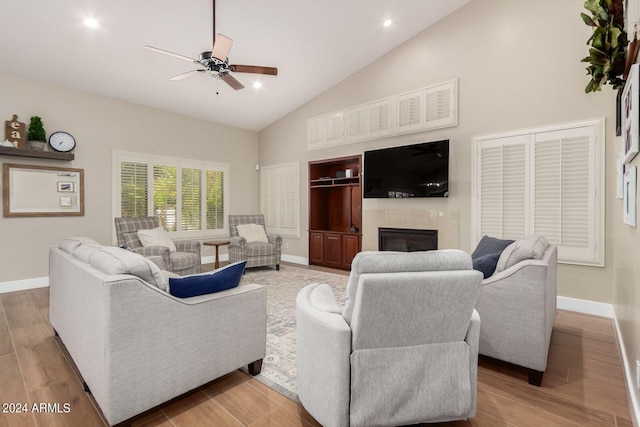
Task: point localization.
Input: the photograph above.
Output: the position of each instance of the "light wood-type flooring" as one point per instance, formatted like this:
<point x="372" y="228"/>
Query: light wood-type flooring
<point x="583" y="385"/>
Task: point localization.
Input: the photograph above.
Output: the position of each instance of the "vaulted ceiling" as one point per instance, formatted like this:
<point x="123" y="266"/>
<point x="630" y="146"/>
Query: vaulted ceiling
<point x="314" y="43"/>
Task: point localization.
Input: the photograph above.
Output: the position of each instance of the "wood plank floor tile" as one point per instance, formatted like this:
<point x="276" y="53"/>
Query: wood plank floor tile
<point x="285" y="402"/>
<point x="65" y="404"/>
<point x="198" y="410"/>
<point x="280" y="418"/>
<point x="12" y="391"/>
<point x="41" y="361"/>
<point x="19" y="310"/>
<point x="6" y="344"/>
<point x="245" y="403"/>
<point x="39" y="297"/>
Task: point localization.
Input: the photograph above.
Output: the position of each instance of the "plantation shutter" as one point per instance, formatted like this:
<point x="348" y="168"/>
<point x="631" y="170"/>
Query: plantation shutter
<point x="358" y="126"/>
<point x="165" y="182"/>
<point x="280" y="198"/>
<point x="410" y="112"/>
<point x="546" y="182"/>
<point x="133" y="189"/>
<point x="440" y="105"/>
<point x="191" y="216"/>
<point x="564" y="191"/>
<point x="215" y="200"/>
<point x="380" y="119"/>
<point x="503" y="188"/>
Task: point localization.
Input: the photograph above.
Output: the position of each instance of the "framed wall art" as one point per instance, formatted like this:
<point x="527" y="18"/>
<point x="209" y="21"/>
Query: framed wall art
<point x="631" y="114"/>
<point x="629" y="196"/>
<point x="32" y="190"/>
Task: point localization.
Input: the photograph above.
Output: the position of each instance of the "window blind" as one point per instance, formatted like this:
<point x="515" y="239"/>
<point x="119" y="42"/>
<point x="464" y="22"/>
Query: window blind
<point x="280" y="198"/>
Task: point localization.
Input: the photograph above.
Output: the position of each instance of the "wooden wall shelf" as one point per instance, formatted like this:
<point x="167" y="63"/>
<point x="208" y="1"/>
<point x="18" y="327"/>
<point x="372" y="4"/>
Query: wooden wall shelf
<point x="8" y="151"/>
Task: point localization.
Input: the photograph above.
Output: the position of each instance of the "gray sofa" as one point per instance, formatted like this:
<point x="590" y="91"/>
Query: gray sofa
<point x="403" y="350"/>
<point x="517" y="305"/>
<point x="135" y="345"/>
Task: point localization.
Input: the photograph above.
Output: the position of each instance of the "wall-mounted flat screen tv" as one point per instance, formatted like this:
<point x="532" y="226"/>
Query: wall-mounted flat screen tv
<point x="418" y="170"/>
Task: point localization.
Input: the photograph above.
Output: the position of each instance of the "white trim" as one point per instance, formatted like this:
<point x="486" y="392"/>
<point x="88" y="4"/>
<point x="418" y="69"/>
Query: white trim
<point x="634" y="407"/>
<point x="295" y="259"/>
<point x="24" y="284"/>
<point x="585" y="306"/>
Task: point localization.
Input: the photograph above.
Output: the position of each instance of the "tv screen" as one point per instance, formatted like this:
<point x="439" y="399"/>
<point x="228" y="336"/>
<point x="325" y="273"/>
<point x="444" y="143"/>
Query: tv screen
<point x="419" y="170"/>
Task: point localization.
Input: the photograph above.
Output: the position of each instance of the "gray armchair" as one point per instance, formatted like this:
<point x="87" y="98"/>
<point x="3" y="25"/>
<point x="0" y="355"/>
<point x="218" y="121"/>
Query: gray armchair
<point x="518" y="306"/>
<point x="256" y="254"/>
<point x="185" y="260"/>
<point x="403" y="350"/>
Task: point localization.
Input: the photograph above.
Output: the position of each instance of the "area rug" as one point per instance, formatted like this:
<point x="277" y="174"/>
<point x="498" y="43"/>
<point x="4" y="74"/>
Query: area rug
<point x="279" y="365"/>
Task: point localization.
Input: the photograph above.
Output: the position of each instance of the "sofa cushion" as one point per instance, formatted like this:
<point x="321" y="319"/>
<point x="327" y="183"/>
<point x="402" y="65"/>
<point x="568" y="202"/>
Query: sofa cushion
<point x="531" y="247"/>
<point x="70" y="244"/>
<point x="486" y="264"/>
<point x="254" y="233"/>
<point x="193" y="285"/>
<point x="112" y="260"/>
<point x="156" y="237"/>
<point x="490" y="245"/>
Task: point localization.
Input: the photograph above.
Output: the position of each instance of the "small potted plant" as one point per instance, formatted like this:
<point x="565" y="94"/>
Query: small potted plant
<point x="36" y="136"/>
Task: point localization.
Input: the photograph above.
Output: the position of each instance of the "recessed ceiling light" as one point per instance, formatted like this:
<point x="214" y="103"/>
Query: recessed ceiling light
<point x="387" y="23"/>
<point x="257" y="85"/>
<point x="91" y="22"/>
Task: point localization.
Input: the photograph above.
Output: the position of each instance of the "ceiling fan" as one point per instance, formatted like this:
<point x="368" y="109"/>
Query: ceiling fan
<point x="216" y="62"/>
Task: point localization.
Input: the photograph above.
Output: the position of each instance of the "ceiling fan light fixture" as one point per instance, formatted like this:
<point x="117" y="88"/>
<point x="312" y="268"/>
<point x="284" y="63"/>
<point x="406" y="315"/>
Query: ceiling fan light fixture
<point x="387" y="23"/>
<point x="257" y="85"/>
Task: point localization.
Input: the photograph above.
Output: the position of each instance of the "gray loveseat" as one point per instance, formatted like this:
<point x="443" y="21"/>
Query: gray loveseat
<point x="135" y="345"/>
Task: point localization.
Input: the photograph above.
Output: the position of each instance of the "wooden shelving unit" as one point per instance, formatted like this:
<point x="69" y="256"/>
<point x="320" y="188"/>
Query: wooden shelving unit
<point x="8" y="151"/>
<point x="335" y="211"/>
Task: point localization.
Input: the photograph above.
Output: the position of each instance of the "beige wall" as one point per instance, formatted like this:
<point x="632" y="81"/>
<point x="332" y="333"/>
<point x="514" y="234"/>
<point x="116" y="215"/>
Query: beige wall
<point x="101" y="125"/>
<point x="518" y="66"/>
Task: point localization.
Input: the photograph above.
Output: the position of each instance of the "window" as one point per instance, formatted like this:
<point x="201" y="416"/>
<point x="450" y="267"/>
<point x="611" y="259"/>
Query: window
<point x="189" y="196"/>
<point x="547" y="182"/>
<point x="280" y="198"/>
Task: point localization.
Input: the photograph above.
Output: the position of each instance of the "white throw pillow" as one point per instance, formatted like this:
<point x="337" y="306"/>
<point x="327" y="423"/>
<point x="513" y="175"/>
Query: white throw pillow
<point x="254" y="233"/>
<point x="156" y="237"/>
<point x="530" y="247"/>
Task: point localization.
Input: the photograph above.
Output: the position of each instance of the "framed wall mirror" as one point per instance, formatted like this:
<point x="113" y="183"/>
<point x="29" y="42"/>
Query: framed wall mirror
<point x="30" y="190"/>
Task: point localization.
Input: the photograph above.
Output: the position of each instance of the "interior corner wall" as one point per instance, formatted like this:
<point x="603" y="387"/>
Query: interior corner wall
<point x="101" y="125"/>
<point x="518" y="65"/>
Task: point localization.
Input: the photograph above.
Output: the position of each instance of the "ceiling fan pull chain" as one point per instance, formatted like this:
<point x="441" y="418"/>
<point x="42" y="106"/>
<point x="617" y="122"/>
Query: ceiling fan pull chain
<point x="217" y="85"/>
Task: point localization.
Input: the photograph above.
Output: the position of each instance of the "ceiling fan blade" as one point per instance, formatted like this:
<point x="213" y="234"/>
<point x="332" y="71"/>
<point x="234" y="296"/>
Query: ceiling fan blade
<point x="221" y="47"/>
<point x="166" y="52"/>
<point x="255" y="69"/>
<point x="186" y="75"/>
<point x="231" y="81"/>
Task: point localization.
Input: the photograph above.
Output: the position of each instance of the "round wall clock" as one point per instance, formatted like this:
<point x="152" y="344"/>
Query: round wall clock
<point x="62" y="141"/>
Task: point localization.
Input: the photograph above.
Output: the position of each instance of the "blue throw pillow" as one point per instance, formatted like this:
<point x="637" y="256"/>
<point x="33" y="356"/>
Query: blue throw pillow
<point x="223" y="278"/>
<point x="486" y="263"/>
<point x="490" y="245"/>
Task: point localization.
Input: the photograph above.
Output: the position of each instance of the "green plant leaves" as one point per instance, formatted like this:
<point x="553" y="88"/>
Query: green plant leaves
<point x="608" y="43"/>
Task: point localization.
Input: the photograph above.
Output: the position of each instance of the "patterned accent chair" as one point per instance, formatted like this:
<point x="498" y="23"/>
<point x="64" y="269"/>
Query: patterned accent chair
<point x="185" y="260"/>
<point x="256" y="254"/>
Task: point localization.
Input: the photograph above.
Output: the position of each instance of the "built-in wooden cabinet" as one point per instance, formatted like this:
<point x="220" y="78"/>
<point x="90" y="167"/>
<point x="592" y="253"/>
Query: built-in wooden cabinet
<point x="335" y="211"/>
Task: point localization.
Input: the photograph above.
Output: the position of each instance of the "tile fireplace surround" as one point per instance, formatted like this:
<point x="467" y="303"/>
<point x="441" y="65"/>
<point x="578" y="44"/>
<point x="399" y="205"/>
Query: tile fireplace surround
<point x="446" y="222"/>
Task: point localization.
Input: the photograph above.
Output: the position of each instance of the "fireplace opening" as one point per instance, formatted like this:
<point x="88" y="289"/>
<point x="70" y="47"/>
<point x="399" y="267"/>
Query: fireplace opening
<point x="407" y="240"/>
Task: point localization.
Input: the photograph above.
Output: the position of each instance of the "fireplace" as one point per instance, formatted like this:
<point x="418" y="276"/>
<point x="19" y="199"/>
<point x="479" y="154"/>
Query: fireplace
<point x="407" y="240"/>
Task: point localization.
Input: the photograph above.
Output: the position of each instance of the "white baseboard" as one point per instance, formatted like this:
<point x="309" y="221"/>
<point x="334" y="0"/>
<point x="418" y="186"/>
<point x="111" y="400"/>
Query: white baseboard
<point x="295" y="259"/>
<point x="585" y="306"/>
<point x="22" y="285"/>
<point x="629" y="373"/>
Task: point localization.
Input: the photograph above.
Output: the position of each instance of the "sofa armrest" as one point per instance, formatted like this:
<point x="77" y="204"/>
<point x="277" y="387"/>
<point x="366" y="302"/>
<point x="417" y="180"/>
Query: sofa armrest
<point x="323" y="350"/>
<point x="275" y="239"/>
<point x="156" y="251"/>
<point x="237" y="242"/>
<point x="187" y="246"/>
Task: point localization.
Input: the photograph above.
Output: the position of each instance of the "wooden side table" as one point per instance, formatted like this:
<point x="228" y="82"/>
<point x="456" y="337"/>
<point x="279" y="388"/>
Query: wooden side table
<point x="217" y="244"/>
